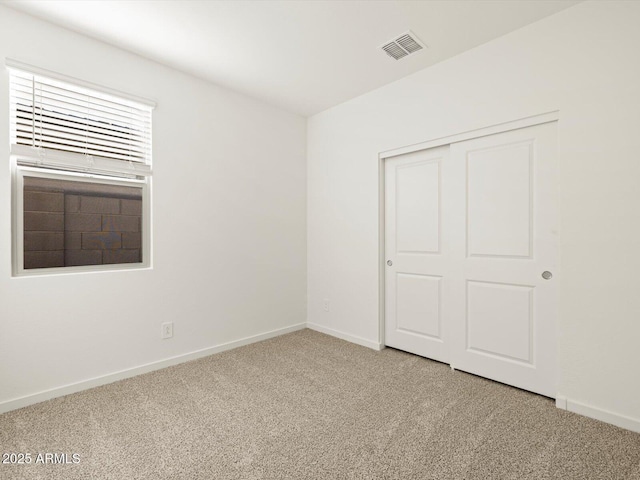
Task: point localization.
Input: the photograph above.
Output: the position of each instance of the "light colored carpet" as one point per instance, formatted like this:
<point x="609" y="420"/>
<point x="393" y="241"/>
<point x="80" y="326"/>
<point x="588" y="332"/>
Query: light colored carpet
<point x="309" y="406"/>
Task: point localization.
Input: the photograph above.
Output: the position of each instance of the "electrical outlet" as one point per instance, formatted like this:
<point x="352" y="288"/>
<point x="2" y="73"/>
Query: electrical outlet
<point x="167" y="330"/>
<point x="325" y="304"/>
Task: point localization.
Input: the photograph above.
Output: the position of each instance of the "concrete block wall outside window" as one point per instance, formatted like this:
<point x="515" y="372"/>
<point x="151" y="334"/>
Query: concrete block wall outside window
<point x="69" y="224"/>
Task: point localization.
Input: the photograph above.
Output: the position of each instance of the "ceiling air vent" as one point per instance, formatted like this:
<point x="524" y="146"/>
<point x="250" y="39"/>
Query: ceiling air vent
<point x="404" y="45"/>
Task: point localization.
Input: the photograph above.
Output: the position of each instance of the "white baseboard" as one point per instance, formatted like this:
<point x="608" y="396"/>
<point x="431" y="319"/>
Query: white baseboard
<point x="345" y="336"/>
<point x="590" y="411"/>
<point x="132" y="372"/>
<point x="561" y="402"/>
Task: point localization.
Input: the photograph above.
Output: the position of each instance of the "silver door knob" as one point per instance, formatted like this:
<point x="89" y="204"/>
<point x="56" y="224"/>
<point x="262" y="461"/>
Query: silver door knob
<point x="389" y="262"/>
<point x="547" y="274"/>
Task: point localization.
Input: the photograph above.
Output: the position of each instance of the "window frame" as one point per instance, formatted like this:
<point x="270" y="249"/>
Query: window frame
<point x="19" y="172"/>
<point x="27" y="161"/>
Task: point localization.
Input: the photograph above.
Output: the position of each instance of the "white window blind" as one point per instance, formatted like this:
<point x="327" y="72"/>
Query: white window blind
<point x="62" y="125"/>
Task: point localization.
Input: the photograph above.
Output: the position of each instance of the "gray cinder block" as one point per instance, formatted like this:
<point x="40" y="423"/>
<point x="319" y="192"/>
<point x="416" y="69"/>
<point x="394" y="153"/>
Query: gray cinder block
<point x="43" y="222"/>
<point x="99" y="205"/>
<point x="131" y="207"/>
<point x="131" y="240"/>
<point x="120" y="223"/>
<point x="35" y="201"/>
<point x="43" y="259"/>
<point x="80" y="222"/>
<point x="83" y="257"/>
<point x="121" y="256"/>
<point x="101" y="241"/>
<point x="71" y="203"/>
<point x="43" y="241"/>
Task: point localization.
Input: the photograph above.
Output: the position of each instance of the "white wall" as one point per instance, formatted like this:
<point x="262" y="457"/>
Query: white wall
<point x="583" y="62"/>
<point x="231" y="160"/>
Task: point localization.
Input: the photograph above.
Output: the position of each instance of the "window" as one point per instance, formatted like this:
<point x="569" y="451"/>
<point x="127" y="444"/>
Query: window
<point x="81" y="164"/>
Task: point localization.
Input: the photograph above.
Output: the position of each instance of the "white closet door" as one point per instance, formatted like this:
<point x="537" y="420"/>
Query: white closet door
<point x="471" y="249"/>
<point x="503" y="250"/>
<point x="416" y="253"/>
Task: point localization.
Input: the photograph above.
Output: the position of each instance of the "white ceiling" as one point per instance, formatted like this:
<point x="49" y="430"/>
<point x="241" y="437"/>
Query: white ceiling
<point x="303" y="56"/>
